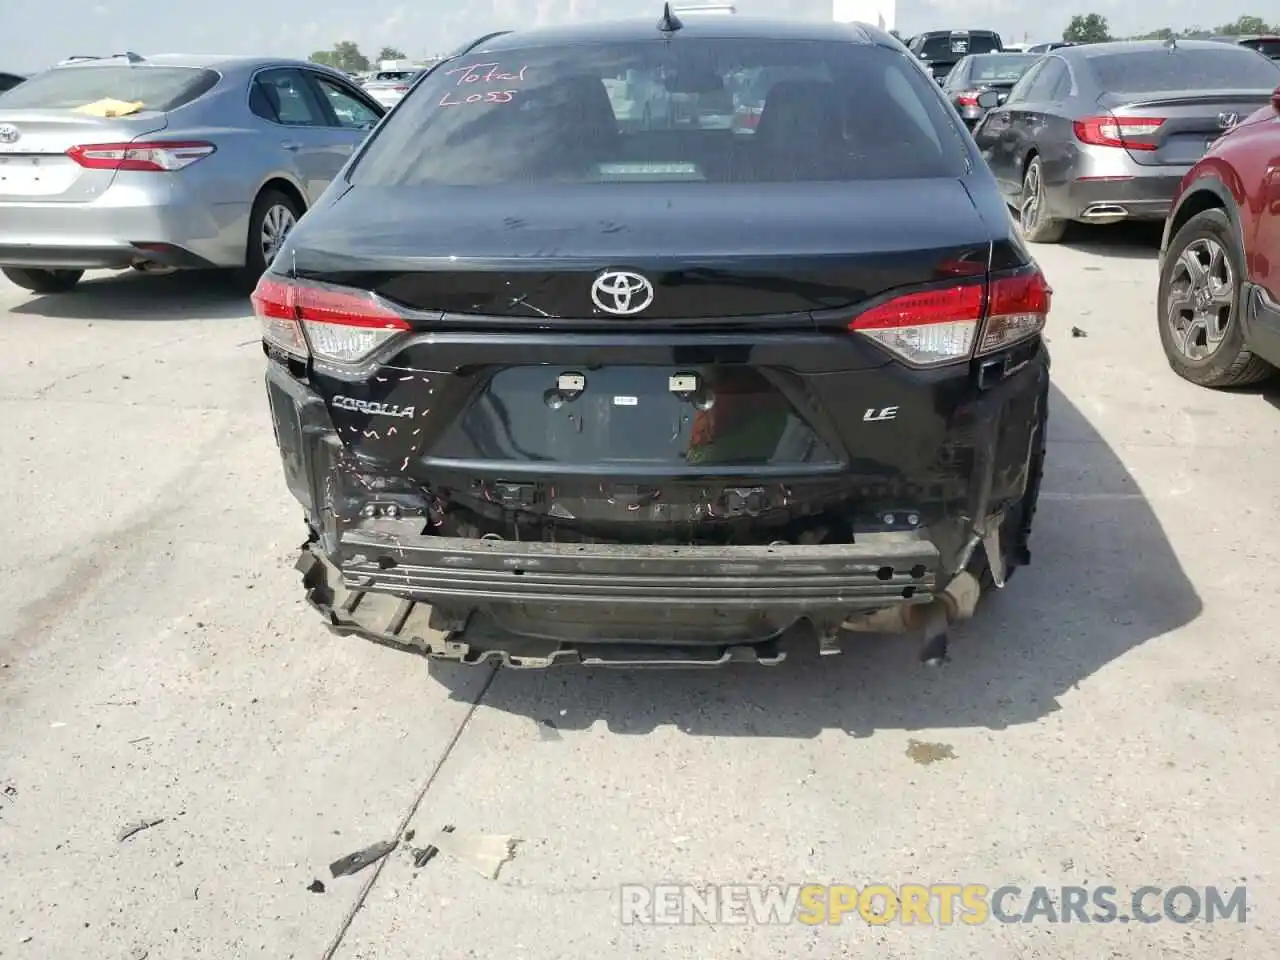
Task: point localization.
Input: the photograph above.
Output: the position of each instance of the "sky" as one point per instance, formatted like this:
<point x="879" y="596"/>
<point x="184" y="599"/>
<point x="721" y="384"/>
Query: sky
<point x="37" y="33"/>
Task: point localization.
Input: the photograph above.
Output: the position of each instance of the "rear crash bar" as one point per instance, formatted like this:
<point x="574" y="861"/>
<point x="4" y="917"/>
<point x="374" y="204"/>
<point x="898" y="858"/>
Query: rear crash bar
<point x="385" y="584"/>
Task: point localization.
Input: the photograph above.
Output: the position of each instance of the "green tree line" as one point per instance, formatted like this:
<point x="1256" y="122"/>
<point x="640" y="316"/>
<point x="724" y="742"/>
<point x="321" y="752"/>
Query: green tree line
<point x="1093" y="28"/>
<point x="346" y="55"/>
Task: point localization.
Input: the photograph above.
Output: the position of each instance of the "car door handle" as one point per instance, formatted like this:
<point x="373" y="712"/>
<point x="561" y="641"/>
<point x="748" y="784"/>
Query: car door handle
<point x="291" y="146"/>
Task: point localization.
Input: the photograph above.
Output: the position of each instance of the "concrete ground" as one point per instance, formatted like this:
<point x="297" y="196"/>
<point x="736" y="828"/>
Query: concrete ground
<point x="1108" y="719"/>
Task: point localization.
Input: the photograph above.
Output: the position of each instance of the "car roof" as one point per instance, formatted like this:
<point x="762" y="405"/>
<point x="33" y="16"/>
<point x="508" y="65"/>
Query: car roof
<point x="205" y="61"/>
<point x="1088" y="51"/>
<point x="710" y="26"/>
<point x="948" y="33"/>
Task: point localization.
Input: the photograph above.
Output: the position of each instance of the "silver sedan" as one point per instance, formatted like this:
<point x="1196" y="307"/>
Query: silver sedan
<point x="168" y="162"/>
<point x="1104" y="132"/>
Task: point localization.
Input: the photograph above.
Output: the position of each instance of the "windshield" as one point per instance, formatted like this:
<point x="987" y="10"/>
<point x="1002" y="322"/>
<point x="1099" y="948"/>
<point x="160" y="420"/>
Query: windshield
<point x="1001" y="67"/>
<point x="152" y="88"/>
<point x="702" y="110"/>
<point x="1149" y="71"/>
<point x="957" y="45"/>
<point x="395" y="74"/>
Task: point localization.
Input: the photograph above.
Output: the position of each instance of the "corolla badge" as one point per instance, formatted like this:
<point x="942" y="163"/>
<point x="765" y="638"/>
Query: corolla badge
<point x="1228" y="120"/>
<point x="373" y="409"/>
<point x="621" y="292"/>
<point x="9" y="133"/>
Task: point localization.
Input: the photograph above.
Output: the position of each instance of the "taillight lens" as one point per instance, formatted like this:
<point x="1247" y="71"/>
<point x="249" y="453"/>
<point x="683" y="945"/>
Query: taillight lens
<point x="158" y="157"/>
<point x="1110" y="131"/>
<point x="926" y="328"/>
<point x="967" y="99"/>
<point x="934" y="327"/>
<point x="1017" y="308"/>
<point x="305" y="319"/>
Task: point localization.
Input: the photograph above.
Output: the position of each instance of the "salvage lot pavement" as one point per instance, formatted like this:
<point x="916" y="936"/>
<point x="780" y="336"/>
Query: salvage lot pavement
<point x="1110" y="717"/>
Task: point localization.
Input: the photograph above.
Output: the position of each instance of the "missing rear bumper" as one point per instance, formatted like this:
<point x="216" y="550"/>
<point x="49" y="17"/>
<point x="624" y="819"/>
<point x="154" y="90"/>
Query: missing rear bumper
<point x="540" y="604"/>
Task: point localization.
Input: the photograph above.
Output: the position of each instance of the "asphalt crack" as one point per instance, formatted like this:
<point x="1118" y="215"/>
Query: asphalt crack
<point x="409" y="814"/>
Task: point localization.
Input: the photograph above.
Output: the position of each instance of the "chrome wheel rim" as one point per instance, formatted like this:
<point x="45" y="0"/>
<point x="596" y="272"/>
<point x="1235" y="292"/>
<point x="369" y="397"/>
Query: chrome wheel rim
<point x="276" y="224"/>
<point x="1029" y="213"/>
<point x="1200" y="298"/>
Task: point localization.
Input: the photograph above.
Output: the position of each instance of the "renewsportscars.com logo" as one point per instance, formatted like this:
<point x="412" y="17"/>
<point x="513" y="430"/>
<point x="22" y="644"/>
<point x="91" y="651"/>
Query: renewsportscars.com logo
<point x="937" y="904"/>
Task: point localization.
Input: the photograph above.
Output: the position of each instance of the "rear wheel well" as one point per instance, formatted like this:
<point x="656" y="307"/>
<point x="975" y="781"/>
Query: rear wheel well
<point x="288" y="189"/>
<point x="1198" y="202"/>
<point x="1026" y="161"/>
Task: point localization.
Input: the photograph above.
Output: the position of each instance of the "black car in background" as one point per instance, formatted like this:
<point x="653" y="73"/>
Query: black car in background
<point x="984" y="71"/>
<point x="10" y="80"/>
<point x="1050" y="45"/>
<point x="659" y="393"/>
<point x="943" y="49"/>
<point x="1268" y="45"/>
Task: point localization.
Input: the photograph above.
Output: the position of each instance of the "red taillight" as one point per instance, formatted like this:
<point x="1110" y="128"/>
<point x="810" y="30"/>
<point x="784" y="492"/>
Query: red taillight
<point x="160" y="156"/>
<point x="328" y="323"/>
<point x="933" y="327"/>
<point x="1017" y="308"/>
<point x="967" y="99"/>
<point x="1111" y="131"/>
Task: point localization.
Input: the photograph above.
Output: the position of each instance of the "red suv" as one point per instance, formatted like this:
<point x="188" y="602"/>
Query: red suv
<point x="1219" y="298"/>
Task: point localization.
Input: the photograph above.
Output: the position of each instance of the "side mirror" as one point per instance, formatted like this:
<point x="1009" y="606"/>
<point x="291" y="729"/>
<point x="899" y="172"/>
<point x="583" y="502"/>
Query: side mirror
<point x="988" y="99"/>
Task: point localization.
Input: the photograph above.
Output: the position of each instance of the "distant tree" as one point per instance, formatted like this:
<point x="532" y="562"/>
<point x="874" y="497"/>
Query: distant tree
<point x="345" y="55"/>
<point x="1164" y="33"/>
<point x="391" y="53"/>
<point x="1087" y="28"/>
<point x="1243" y="26"/>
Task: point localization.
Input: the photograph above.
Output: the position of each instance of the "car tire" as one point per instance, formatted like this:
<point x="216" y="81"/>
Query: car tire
<point x="43" y="281"/>
<point x="1037" y="227"/>
<point x="273" y="212"/>
<point x="1214" y="303"/>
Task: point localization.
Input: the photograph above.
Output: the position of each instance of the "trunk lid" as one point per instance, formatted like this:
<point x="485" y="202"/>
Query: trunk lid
<point x="34" y="165"/>
<point x="739" y="394"/>
<point x="1192" y="121"/>
<point x="715" y="254"/>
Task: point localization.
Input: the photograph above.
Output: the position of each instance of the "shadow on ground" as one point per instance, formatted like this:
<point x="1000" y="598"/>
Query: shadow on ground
<point x="1103" y="581"/>
<point x="187" y="295"/>
<point x="1121" y="241"/>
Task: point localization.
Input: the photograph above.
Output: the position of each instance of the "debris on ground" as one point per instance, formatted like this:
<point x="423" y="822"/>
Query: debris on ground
<point x="355" y="862"/>
<point x="926" y="753"/>
<point x="483" y="852"/>
<point x="316" y="886"/>
<point x="547" y="730"/>
<point x="1077" y="332"/>
<point x="424" y="855"/>
<point x="129" y="829"/>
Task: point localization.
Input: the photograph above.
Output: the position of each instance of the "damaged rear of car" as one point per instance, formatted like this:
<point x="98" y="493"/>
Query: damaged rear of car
<point x="557" y="386"/>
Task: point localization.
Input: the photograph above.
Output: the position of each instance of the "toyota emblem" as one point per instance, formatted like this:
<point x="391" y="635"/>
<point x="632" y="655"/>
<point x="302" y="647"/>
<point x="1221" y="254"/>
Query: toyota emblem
<point x="621" y="292"/>
<point x="1228" y="120"/>
<point x="9" y="133"/>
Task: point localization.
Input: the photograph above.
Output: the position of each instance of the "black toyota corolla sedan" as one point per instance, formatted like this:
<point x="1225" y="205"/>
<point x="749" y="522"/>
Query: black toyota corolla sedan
<point x="563" y="371"/>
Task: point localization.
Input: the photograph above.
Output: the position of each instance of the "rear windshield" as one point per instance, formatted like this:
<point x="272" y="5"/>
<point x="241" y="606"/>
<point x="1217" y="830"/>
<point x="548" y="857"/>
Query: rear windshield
<point x="958" y="45"/>
<point x="997" y="68"/>
<point x="728" y="111"/>
<point x="395" y="74"/>
<point x="1149" y="71"/>
<point x="1269" y="47"/>
<point x="152" y="88"/>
